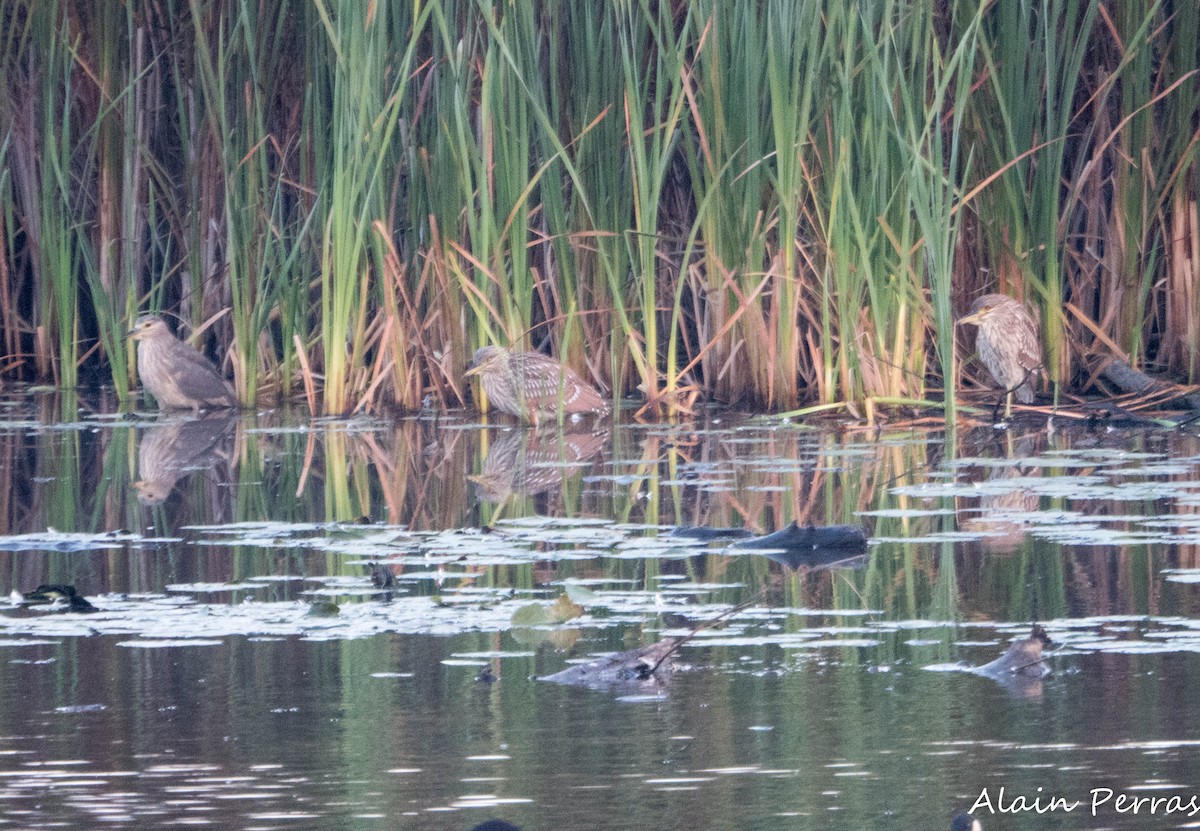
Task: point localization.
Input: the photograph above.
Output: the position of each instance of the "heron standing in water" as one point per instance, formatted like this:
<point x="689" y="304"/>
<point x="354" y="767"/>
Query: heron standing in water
<point x="1007" y="344"/>
<point x="175" y="373"/>
<point x="531" y="386"/>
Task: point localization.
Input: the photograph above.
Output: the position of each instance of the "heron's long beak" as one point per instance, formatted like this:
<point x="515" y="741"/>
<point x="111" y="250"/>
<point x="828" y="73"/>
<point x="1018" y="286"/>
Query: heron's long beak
<point x="972" y="320"/>
<point x="472" y="369"/>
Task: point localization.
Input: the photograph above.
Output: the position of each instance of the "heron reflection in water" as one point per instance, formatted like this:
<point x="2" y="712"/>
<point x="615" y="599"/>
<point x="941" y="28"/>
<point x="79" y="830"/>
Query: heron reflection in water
<point x="173" y="449"/>
<point x="1008" y="495"/>
<point x="530" y="462"/>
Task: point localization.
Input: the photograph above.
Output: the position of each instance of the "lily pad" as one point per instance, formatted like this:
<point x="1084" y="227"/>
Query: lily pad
<point x="537" y="614"/>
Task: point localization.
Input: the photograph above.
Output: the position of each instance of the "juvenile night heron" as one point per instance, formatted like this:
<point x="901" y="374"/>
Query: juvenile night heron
<point x="530" y="385"/>
<point x="1007" y="344"/>
<point x="175" y="373"/>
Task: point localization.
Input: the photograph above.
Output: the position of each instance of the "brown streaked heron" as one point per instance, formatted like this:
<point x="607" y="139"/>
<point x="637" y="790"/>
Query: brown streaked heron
<point x="1007" y="344"/>
<point x="175" y="373"/>
<point x="531" y="386"/>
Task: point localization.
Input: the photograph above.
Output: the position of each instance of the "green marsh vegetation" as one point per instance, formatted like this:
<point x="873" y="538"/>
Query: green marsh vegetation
<point x="773" y="204"/>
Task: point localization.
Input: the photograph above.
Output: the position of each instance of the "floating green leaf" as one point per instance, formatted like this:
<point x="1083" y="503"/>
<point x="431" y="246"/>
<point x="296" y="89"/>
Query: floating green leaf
<point x="536" y="614"/>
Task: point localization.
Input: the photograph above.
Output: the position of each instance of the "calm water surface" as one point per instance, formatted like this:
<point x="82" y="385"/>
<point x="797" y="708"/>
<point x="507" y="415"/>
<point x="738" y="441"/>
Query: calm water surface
<point x="211" y="688"/>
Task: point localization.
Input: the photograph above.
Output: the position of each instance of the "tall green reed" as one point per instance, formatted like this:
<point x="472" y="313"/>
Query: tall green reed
<point x="1145" y="234"/>
<point x="364" y="98"/>
<point x="652" y="58"/>
<point x="1179" y="204"/>
<point x="931" y="147"/>
<point x="13" y="41"/>
<point x="49" y="193"/>
<point x="871" y="316"/>
<point x="117" y="66"/>
<point x="1033" y="57"/>
<point x="671" y="197"/>
<point x="587" y="222"/>
<point x="728" y="150"/>
<point x="798" y="67"/>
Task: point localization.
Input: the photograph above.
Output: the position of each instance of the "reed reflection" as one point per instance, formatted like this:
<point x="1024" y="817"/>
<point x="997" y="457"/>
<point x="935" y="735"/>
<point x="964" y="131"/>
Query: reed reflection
<point x="438" y="475"/>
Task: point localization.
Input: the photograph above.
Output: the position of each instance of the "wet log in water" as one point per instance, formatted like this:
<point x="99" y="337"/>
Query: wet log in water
<point x="1020" y="669"/>
<point x="792" y="537"/>
<point x="795" y="546"/>
<point x="642" y="671"/>
<point x="807" y="538"/>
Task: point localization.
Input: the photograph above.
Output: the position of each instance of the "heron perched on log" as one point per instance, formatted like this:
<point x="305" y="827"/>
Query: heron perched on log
<point x="175" y="373"/>
<point x="531" y="386"/>
<point x="1007" y="344"/>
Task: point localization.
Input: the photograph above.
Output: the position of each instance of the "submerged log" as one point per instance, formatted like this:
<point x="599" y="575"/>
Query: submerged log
<point x="1020" y="669"/>
<point x="794" y="546"/>
<point x="644" y="670"/>
<point x="1023" y="657"/>
<point x="793" y="537"/>
<point x="815" y="559"/>
<point x="808" y="538"/>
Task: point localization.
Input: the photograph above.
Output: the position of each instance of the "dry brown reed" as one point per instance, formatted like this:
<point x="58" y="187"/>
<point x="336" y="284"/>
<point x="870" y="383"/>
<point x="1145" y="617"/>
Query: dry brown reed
<point x="772" y="205"/>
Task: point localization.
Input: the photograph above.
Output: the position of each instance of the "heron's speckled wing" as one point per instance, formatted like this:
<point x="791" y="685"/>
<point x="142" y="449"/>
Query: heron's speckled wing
<point x="543" y="381"/>
<point x="1008" y="345"/>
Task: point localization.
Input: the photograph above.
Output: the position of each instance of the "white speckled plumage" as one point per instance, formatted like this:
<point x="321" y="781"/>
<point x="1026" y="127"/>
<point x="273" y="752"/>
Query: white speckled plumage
<point x="1007" y="344"/>
<point x="533" y="386"/>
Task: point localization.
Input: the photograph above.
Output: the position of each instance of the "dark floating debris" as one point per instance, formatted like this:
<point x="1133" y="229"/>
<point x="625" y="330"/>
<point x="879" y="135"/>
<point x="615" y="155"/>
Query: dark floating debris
<point x="486" y="676"/>
<point x="795" y="545"/>
<point x="810" y="546"/>
<point x="799" y="537"/>
<point x="794" y="537"/>
<point x="496" y="825"/>
<point x="60" y="597"/>
<point x="965" y="822"/>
